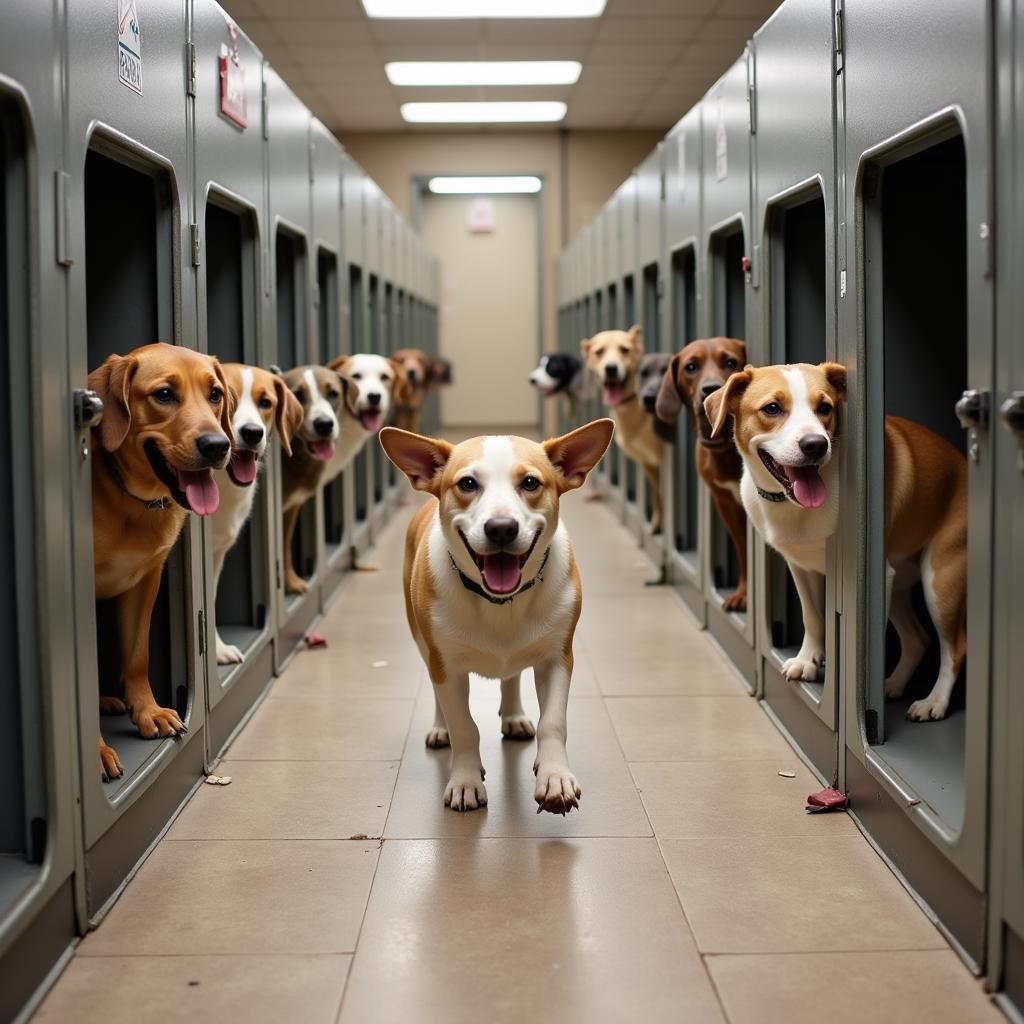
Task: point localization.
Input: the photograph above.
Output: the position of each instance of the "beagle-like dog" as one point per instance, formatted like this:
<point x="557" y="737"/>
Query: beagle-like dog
<point x="785" y="429"/>
<point x="492" y="587"/>
<point x="417" y="370"/>
<point x="264" y="400"/>
<point x="698" y="370"/>
<point x="649" y="376"/>
<point x="166" y="428"/>
<point x="322" y="395"/>
<point x="613" y="357"/>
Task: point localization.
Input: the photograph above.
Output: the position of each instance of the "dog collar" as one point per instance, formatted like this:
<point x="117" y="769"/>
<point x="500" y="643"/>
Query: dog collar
<point x="628" y="398"/>
<point x="153" y="504"/>
<point x="716" y="442"/>
<point x="474" y="587"/>
<point x="770" y="495"/>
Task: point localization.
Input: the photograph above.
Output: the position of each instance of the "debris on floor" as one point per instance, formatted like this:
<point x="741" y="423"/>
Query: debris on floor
<point x="380" y="664"/>
<point x="786" y="773"/>
<point x="828" y="799"/>
<point x="314" y="639"/>
<point x="218" y="780"/>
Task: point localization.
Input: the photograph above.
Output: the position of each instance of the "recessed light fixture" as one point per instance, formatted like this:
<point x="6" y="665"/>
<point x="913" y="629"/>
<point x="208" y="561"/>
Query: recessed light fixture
<point x="464" y="186"/>
<point x="532" y="111"/>
<point x="415" y="9"/>
<point x="483" y="72"/>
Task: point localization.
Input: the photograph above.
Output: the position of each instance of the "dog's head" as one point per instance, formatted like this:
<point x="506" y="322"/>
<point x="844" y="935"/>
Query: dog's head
<point x="322" y="395"/>
<point x="614" y="356"/>
<point x="378" y="383"/>
<point x="498" y="496"/>
<point x="649" y="376"/>
<point x="264" y="400"/>
<point x="784" y="422"/>
<point x="441" y="372"/>
<point x="696" y="371"/>
<point x="415" y="366"/>
<point x="167" y="414"/>
<point x="556" y="372"/>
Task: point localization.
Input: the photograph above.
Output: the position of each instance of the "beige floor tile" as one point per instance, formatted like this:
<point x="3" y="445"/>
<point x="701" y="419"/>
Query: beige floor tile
<point x="198" y="989"/>
<point x="695" y="729"/>
<point x="338" y="729"/>
<point x="352" y="670"/>
<point x="610" y="805"/>
<point x="801" y="894"/>
<point x="807" y="988"/>
<point x="291" y="800"/>
<point x="694" y="799"/>
<point x="521" y="929"/>
<point x="263" y="896"/>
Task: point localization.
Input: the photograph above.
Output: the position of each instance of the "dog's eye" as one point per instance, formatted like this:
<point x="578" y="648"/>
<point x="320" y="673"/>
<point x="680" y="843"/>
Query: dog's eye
<point x="599" y="353"/>
<point x="165" y="396"/>
<point x="357" y="376"/>
<point x="691" y="367"/>
<point x="824" y="408"/>
<point x="385" y="377"/>
<point x="468" y="485"/>
<point x="772" y="409"/>
<point x="730" y="363"/>
<point x="265" y="403"/>
<point x="530" y="483"/>
<point x="332" y="393"/>
<point x="624" y="349"/>
<point x="216" y="395"/>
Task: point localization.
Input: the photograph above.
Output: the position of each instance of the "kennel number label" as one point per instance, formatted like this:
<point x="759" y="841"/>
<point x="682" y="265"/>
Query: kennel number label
<point x="233" y="97"/>
<point x="129" y="45"/>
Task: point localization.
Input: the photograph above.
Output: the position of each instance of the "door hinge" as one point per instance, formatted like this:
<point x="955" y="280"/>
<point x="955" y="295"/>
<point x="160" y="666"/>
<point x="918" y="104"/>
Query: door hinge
<point x="62" y="218"/>
<point x="190" y="69"/>
<point x="193" y="235"/>
<point x="839" y="41"/>
<point x="752" y="108"/>
<point x="316" y="294"/>
<point x="662" y="194"/>
<point x="202" y="632"/>
<point x="988" y="240"/>
<point x="312" y="161"/>
<point x="277" y="572"/>
<point x="264" y="108"/>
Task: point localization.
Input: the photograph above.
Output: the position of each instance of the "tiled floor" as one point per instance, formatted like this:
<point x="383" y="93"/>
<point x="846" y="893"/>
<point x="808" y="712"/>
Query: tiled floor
<point x="328" y="883"/>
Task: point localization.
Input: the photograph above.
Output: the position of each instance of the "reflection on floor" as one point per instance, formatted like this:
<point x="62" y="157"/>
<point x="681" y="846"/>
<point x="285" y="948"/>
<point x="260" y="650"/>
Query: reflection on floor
<point x="328" y="883"/>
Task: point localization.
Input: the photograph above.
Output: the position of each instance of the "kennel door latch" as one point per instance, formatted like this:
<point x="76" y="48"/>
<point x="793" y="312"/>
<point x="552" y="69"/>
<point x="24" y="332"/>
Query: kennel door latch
<point x="1012" y="414"/>
<point x="972" y="410"/>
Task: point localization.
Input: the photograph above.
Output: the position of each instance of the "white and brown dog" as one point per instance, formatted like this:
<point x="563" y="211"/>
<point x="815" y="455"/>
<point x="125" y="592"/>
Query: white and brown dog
<point x="264" y="400"/>
<point x="492" y="587"/>
<point x="614" y="356"/>
<point x="785" y="430"/>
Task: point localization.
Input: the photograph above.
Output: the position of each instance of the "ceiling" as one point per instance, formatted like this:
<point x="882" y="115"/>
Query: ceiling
<point x="645" y="62"/>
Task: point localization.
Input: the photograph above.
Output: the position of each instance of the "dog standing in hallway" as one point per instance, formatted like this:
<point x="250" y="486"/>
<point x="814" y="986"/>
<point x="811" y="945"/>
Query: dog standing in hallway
<point x="492" y="587"/>
<point x="416" y="368"/>
<point x="784" y="425"/>
<point x="614" y="356"/>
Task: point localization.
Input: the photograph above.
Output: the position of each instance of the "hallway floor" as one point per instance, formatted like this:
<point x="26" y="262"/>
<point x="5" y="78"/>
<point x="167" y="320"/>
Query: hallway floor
<point x="328" y="882"/>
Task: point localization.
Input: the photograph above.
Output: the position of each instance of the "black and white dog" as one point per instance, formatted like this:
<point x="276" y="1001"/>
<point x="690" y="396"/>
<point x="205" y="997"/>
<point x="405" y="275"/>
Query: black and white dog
<point x="559" y="373"/>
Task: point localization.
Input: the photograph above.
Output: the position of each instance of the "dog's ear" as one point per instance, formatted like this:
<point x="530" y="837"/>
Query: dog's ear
<point x="585" y="346"/>
<point x="230" y="403"/>
<point x="574" y="455"/>
<point x="669" y="402"/>
<point x="636" y="337"/>
<point x="421" y="459"/>
<point x="289" y="414"/>
<point x="835" y="374"/>
<point x="350" y="394"/>
<point x="743" y="350"/>
<point x="401" y="389"/>
<point x="338" y="364"/>
<point x="113" y="383"/>
<point x="719" y="404"/>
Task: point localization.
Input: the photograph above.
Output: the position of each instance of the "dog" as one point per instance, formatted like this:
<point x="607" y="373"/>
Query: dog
<point x="614" y="356"/>
<point x="166" y="427"/>
<point x="560" y="373"/>
<point x="785" y="421"/>
<point x="492" y="587"/>
<point x="322" y="394"/>
<point x="264" y="400"/>
<point x="417" y="370"/>
<point x="649" y="375"/>
<point x="698" y="370"/>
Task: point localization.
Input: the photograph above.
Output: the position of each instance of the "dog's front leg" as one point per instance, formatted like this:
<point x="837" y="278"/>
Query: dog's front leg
<point x="465" y="790"/>
<point x="293" y="582"/>
<point x="515" y="725"/>
<point x="810" y="586"/>
<point x="227" y="654"/>
<point x="557" y="790"/>
<point x="730" y="511"/>
<point x="653" y="474"/>
<point x="134" y="613"/>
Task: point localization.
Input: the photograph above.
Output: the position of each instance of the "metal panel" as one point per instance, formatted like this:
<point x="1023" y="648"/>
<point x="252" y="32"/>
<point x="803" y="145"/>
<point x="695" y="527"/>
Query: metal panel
<point x="372" y="202"/>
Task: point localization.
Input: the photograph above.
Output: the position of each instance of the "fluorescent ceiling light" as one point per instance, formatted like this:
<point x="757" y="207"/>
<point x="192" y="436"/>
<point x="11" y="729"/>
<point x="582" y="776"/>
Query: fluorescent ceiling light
<point x="483" y="72"/>
<point x="480" y="112"/>
<point x="462" y="186"/>
<point x="484" y="8"/>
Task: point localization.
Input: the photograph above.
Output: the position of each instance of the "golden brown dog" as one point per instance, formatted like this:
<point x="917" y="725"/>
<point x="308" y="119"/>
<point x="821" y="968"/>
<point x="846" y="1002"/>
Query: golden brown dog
<point x="696" y="371"/>
<point x="417" y="369"/>
<point x="166" y="426"/>
<point x="613" y="356"/>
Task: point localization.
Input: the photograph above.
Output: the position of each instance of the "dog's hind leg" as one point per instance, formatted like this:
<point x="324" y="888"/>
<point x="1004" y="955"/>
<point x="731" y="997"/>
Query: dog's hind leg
<point x="465" y="790"/>
<point x="556" y="790"/>
<point x="437" y="735"/>
<point x="913" y="637"/>
<point x="515" y="725"/>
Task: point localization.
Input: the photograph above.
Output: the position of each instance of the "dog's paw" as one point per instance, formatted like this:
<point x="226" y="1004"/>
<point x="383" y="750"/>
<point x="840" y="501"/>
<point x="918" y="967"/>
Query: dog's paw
<point x="557" y="790"/>
<point x="228" y="654"/>
<point x="154" y="722"/>
<point x="805" y="665"/>
<point x="465" y="790"/>
<point x="110" y="763"/>
<point x="113" y="706"/>
<point x="294" y="583"/>
<point x="736" y="602"/>
<point x="437" y="737"/>
<point x="930" y="709"/>
<point x="517" y="727"/>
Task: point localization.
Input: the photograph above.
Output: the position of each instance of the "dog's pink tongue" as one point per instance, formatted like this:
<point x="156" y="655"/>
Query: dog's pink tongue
<point x="201" y="490"/>
<point x="501" y="572"/>
<point x="370" y="420"/>
<point x="322" y="449"/>
<point x="612" y="394"/>
<point x="808" y="487"/>
<point x="243" y="467"/>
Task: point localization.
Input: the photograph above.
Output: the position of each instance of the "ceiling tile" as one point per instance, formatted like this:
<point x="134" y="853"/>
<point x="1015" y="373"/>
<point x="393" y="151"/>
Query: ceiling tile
<point x="437" y="32"/>
<point x="313" y="54"/>
<point x="575" y="31"/>
<point x="717" y="29"/>
<point x="634" y="53"/>
<point x="311" y="8"/>
<point x="647" y="30"/>
<point x="350" y="31"/>
<point x="760" y="9"/>
<point x="721" y="55"/>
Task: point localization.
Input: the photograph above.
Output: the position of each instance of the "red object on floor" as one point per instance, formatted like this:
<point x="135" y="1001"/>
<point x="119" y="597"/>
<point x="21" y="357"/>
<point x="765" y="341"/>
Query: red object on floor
<point x="315" y="640"/>
<point x="827" y="800"/>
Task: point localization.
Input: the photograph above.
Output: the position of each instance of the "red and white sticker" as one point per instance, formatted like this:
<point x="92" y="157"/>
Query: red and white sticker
<point x="129" y="45"/>
<point x="234" y="102"/>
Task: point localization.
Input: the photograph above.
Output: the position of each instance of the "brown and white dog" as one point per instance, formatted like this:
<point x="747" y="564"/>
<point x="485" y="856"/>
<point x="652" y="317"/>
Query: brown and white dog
<point x="322" y="394"/>
<point x="492" y="587"/>
<point x="613" y="356"/>
<point x="264" y="400"/>
<point x="698" y="370"/>
<point x="417" y="370"/>
<point x="166" y="427"/>
<point x="785" y="425"/>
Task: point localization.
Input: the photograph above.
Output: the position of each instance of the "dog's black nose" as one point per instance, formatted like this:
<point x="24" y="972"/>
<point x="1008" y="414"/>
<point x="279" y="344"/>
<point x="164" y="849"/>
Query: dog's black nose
<point x="709" y="388"/>
<point x="373" y="398"/>
<point x="411" y="374"/>
<point x="814" y="446"/>
<point x="251" y="433"/>
<point x="611" y="372"/>
<point x="501" y="530"/>
<point x="650" y="401"/>
<point x="213" y="447"/>
<point x="324" y="426"/>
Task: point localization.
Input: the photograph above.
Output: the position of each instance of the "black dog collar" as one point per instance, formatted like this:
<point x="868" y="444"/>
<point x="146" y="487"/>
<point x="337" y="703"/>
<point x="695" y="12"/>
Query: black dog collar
<point x="111" y="464"/>
<point x="474" y="587"/>
<point x="770" y="495"/>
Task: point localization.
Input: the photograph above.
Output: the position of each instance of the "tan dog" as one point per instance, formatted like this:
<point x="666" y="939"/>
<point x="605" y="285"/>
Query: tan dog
<point x="785" y="422"/>
<point x="491" y="586"/>
<point x="166" y="426"/>
<point x="417" y="369"/>
<point x="613" y="356"/>
<point x="264" y="400"/>
<point x="696" y="371"/>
